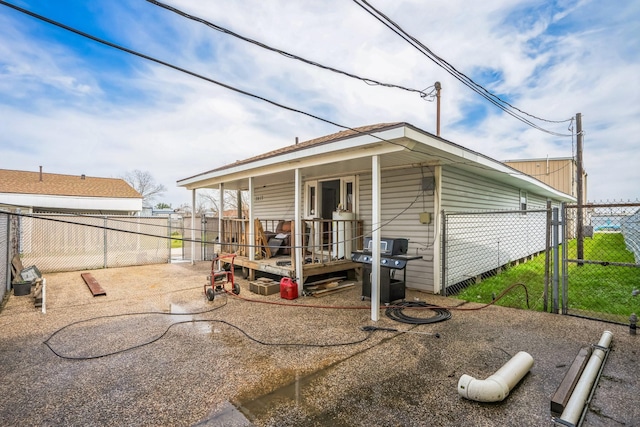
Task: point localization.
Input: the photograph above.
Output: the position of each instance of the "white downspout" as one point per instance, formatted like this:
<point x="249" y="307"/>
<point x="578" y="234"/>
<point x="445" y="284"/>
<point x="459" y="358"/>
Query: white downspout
<point x="573" y="411"/>
<point x="497" y="386"/>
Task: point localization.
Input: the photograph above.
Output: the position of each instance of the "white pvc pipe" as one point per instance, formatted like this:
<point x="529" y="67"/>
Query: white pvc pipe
<point x="497" y="386"/>
<point x="573" y="411"/>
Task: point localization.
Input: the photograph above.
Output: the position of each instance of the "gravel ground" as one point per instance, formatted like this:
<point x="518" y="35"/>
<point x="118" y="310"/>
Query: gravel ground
<point x="154" y="351"/>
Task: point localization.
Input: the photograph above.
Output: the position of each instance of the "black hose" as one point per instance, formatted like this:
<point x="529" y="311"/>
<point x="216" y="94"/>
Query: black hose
<point x="396" y="313"/>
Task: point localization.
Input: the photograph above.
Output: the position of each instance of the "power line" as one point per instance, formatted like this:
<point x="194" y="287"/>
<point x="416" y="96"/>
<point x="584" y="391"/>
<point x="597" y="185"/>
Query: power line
<point x="227" y="86"/>
<point x="464" y="79"/>
<point x="224" y="30"/>
<point x="191" y="73"/>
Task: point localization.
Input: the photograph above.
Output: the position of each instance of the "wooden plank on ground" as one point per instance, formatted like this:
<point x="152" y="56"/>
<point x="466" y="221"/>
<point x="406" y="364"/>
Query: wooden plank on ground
<point x="563" y="393"/>
<point x="320" y="282"/>
<point x="93" y="284"/>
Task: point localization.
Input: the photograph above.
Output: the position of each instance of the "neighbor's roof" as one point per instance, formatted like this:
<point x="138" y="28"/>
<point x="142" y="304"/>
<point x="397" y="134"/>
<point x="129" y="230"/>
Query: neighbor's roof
<point x="26" y="182"/>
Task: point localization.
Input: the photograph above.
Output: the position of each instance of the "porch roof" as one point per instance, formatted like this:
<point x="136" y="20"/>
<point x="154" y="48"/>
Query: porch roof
<point x="349" y="152"/>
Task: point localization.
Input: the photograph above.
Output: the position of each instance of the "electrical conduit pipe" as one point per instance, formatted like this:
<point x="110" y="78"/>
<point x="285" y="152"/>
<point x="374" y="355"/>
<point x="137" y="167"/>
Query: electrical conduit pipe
<point x="497" y="386"/>
<point x="573" y="411"/>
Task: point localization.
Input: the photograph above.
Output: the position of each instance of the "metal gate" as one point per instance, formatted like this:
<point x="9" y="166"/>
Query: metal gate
<point x="206" y="230"/>
<point x="601" y="276"/>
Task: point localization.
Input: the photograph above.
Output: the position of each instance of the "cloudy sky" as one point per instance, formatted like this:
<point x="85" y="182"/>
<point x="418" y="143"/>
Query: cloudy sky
<point x="76" y="106"/>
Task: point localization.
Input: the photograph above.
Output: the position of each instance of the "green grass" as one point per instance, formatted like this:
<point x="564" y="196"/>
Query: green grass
<point x="592" y="288"/>
<point x="176" y="242"/>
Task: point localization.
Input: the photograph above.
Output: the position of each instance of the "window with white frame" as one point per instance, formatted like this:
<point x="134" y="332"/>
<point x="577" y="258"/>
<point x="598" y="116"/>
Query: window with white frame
<point x="523" y="200"/>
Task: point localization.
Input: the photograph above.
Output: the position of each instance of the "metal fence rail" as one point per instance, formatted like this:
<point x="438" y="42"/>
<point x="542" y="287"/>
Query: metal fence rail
<point x="600" y="284"/>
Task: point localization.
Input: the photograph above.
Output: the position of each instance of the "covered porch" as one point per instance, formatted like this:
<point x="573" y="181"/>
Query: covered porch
<point x="329" y="190"/>
<point x="327" y="246"/>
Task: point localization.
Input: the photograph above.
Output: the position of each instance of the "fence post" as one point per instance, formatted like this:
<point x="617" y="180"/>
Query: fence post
<point x="169" y="239"/>
<point x="547" y="257"/>
<point x="565" y="263"/>
<point x="203" y="233"/>
<point x="9" y="257"/>
<point x="104" y="240"/>
<point x="556" y="257"/>
<point x="443" y="259"/>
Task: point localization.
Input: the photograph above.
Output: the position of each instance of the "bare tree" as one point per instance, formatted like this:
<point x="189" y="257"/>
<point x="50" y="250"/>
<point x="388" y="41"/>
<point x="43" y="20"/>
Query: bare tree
<point x="212" y="199"/>
<point x="143" y="183"/>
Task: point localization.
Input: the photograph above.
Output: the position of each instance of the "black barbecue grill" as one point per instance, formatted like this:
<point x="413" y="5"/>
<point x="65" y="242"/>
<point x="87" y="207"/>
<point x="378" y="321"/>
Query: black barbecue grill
<point x="393" y="258"/>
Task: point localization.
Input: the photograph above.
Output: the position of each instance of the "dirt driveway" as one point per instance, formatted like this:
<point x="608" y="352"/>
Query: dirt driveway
<point x="155" y="351"/>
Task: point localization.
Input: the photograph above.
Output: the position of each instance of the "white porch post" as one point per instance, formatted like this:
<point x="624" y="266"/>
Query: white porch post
<point x="376" y="223"/>
<point x="193" y="226"/>
<point x="220" y="215"/>
<point x="299" y="230"/>
<point x="252" y="226"/>
<point x="437" y="232"/>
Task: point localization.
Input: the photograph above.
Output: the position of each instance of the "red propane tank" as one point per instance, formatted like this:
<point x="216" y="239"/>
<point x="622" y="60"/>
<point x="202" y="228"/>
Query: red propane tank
<point x="288" y="288"/>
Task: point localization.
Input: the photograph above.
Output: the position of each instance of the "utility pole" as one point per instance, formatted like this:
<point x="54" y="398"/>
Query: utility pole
<point x="580" y="193"/>
<point x="438" y="87"/>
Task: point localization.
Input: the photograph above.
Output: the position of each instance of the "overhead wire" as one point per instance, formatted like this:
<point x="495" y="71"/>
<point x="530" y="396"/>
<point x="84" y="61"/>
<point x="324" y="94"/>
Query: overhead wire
<point x="425" y="95"/>
<point x="464" y="79"/>
<point x="367" y="80"/>
<point x="193" y="74"/>
<point x="226" y="86"/>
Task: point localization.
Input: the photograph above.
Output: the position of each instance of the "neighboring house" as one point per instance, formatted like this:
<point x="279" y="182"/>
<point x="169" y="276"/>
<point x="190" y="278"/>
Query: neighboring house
<point x="560" y="173"/>
<point x="385" y="180"/>
<point x="39" y="192"/>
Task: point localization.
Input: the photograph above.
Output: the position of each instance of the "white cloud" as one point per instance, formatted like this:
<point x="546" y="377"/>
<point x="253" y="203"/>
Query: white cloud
<point x="105" y="112"/>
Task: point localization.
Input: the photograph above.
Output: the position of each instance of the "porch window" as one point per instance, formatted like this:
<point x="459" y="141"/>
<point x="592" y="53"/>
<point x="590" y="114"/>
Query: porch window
<point x="348" y="205"/>
<point x="311" y="200"/>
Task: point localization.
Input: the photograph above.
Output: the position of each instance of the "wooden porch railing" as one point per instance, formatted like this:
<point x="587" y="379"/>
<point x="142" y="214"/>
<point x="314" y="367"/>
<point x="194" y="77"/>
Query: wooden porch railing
<point x="324" y="240"/>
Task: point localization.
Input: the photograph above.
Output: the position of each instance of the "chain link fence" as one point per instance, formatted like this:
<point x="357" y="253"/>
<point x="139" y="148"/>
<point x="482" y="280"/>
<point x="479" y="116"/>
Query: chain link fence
<point x="205" y="236"/>
<point x="70" y="243"/>
<point x="9" y="243"/>
<point x="5" y="271"/>
<point x="602" y="279"/>
<point x="485" y="254"/>
<point x="481" y="245"/>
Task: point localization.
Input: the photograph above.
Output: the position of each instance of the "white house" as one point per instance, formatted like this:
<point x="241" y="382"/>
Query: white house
<point x="389" y="180"/>
<point x="39" y="192"/>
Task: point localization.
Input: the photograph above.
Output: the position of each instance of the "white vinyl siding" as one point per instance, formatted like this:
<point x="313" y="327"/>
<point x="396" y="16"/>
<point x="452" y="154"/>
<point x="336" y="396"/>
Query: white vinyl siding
<point x="402" y="202"/>
<point x="463" y="191"/>
<point x="477" y="243"/>
<point x="274" y="202"/>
